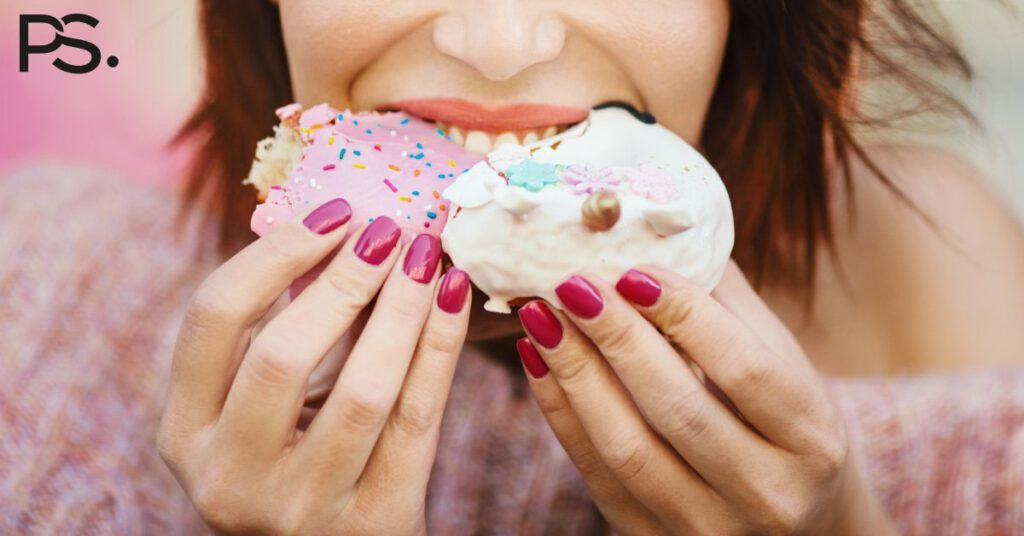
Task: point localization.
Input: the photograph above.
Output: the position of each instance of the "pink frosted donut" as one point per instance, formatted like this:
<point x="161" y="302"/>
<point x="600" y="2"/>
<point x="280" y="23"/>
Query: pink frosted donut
<point x="383" y="164"/>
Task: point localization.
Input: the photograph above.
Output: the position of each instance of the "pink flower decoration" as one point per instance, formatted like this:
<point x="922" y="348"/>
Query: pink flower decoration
<point x="653" y="184"/>
<point x="589" y="179"/>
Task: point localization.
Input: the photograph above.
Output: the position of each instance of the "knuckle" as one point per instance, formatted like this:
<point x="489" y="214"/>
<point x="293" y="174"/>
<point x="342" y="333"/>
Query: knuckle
<point x="416" y="416"/>
<point x="618" y="339"/>
<point x="686" y="416"/>
<point x="438" y="341"/>
<point x="778" y="516"/>
<point x="363" y="410"/>
<point x="209" y="307"/>
<point x="272" y="363"/>
<point x="679" y="306"/>
<point x="751" y="376"/>
<point x="627" y="457"/>
<point x="285" y="250"/>
<point x="587" y="461"/>
<point x="216" y="504"/>
<point x="829" y="457"/>
<point x="576" y="369"/>
<point x="350" y="290"/>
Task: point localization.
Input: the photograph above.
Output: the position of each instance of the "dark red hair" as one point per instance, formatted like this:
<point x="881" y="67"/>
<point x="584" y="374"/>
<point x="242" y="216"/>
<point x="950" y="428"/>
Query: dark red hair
<point x="781" y="120"/>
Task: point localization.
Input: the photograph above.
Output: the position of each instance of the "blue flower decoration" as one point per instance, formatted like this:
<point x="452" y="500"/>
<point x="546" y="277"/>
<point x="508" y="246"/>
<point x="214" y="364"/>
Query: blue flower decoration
<point x="531" y="175"/>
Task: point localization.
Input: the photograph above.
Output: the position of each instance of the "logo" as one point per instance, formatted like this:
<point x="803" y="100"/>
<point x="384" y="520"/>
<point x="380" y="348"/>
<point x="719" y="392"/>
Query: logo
<point x="59" y="40"/>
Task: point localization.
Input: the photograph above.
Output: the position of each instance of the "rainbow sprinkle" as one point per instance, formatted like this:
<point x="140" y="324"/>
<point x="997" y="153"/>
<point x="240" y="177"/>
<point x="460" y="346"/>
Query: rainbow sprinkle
<point x="405" y="121"/>
<point x="341" y="155"/>
<point x="390" y="185"/>
<point x="393" y="167"/>
<point x="405" y="198"/>
<point x="328" y="167"/>
<point x="359" y="166"/>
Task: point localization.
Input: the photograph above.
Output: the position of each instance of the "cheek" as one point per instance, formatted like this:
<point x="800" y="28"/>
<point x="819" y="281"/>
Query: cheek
<point x="677" y="58"/>
<point x="328" y="42"/>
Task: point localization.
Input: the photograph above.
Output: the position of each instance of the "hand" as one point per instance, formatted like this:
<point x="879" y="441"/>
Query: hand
<point x="229" y="430"/>
<point x="753" y="447"/>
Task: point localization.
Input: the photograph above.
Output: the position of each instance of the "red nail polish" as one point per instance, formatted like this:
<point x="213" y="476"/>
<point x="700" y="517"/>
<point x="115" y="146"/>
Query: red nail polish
<point x="454" y="287"/>
<point x="328" y="216"/>
<point x="377" y="240"/>
<point x="580" y="297"/>
<point x="422" y="257"/>
<point x="531" y="358"/>
<point x="541" y="323"/>
<point x="639" y="288"/>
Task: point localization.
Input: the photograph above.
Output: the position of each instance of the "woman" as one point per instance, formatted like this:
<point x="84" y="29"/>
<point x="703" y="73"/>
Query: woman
<point x="868" y="261"/>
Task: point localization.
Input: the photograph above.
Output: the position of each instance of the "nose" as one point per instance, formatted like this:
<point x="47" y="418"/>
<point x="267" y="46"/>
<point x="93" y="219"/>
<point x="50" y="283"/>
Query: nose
<point x="500" y="38"/>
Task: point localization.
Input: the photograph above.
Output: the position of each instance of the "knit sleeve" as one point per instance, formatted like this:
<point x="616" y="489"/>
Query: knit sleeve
<point x="93" y="285"/>
<point x="944" y="453"/>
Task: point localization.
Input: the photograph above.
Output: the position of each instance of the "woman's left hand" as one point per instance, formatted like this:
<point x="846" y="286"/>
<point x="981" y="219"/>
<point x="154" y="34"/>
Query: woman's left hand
<point x="757" y="447"/>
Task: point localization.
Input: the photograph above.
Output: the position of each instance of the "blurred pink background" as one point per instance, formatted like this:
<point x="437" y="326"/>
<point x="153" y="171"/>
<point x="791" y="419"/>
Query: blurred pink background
<point x="118" y="119"/>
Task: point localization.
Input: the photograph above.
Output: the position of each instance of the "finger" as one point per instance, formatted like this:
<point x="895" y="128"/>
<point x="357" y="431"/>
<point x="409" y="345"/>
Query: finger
<point x="262" y="407"/>
<point x="645" y="464"/>
<point x="711" y="439"/>
<point x="780" y="397"/>
<point x="616" y="504"/>
<point x="235" y="296"/>
<point x="345" y="431"/>
<point x="405" y="452"/>
<point x="740" y="299"/>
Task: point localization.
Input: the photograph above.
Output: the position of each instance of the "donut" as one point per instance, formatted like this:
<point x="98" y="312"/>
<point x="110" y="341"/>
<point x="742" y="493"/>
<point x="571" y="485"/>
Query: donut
<point x="613" y="192"/>
<point x="387" y="164"/>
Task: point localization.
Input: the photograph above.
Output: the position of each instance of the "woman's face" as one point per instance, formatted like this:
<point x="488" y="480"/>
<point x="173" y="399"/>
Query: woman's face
<point x="661" y="56"/>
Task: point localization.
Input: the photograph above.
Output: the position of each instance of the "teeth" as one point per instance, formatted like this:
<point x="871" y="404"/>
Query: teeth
<point x="455" y="133"/>
<point x="478" y="142"/>
<point x="530" y="137"/>
<point x="505" y="137"/>
<point x="551" y="131"/>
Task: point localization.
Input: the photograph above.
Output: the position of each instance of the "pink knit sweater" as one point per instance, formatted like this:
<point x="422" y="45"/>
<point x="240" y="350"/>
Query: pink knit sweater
<point x="93" y="289"/>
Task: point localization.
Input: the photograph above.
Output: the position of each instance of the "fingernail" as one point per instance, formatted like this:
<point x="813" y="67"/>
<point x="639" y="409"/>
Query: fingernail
<point x="580" y="297"/>
<point x="531" y="358"/>
<point x="639" y="288"/>
<point x="422" y="257"/>
<point x="328" y="216"/>
<point x="454" y="287"/>
<point x="541" y="323"/>
<point x="377" y="240"/>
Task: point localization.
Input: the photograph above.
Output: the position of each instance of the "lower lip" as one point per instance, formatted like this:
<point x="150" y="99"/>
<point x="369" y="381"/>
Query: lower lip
<point x="471" y="116"/>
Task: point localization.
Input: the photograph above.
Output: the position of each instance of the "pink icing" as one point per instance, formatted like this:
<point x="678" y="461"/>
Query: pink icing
<point x="402" y="166"/>
<point x="652" y="183"/>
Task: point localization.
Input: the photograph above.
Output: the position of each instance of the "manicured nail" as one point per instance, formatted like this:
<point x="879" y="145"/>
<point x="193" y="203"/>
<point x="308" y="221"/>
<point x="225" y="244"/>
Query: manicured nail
<point x="454" y="287"/>
<point x="580" y="297"/>
<point x="531" y="358"/>
<point x="541" y="323"/>
<point x="422" y="257"/>
<point x="377" y="240"/>
<point x="328" y="216"/>
<point x="639" y="288"/>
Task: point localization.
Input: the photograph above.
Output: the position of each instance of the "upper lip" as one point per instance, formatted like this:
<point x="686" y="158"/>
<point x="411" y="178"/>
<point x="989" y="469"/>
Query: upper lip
<point x="472" y="116"/>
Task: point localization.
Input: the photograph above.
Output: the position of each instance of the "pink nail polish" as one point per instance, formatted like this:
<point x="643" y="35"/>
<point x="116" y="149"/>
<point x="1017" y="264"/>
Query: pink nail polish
<point x="580" y="297"/>
<point x="328" y="216"/>
<point x="639" y="288"/>
<point x="541" y="323"/>
<point x="452" y="294"/>
<point x="377" y="240"/>
<point x="422" y="257"/>
<point x="531" y="358"/>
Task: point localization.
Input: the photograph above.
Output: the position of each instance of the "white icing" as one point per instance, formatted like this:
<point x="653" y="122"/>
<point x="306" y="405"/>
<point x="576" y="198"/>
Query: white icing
<point x="523" y="244"/>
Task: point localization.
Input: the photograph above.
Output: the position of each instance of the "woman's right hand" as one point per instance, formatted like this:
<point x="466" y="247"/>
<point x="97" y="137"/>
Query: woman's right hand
<point x="229" y="430"/>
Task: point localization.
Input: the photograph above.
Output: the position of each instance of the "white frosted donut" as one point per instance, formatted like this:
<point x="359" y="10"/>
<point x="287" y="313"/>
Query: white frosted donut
<point x="517" y="223"/>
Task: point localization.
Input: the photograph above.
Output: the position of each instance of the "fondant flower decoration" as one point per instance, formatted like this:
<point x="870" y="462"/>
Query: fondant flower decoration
<point x="588" y="179"/>
<point x="531" y="175"/>
<point x="653" y="183"/>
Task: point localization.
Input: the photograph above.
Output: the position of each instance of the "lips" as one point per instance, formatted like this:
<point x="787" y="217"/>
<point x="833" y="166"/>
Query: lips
<point x="471" y="116"/>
